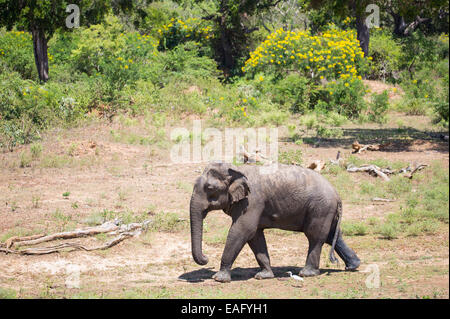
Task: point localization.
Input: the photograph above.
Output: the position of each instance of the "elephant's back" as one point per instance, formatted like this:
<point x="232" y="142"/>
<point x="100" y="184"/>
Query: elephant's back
<point x="295" y="191"/>
<point x="288" y="179"/>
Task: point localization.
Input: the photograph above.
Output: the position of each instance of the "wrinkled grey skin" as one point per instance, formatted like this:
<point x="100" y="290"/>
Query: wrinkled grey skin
<point x="290" y="198"/>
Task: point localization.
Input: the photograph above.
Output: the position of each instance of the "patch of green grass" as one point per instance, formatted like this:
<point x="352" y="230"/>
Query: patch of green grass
<point x="152" y="136"/>
<point x="354" y="228"/>
<point x="64" y="221"/>
<point x="72" y="149"/>
<point x="325" y="132"/>
<point x="398" y="185"/>
<point x="17" y="231"/>
<point x="389" y="230"/>
<point x="167" y="222"/>
<point x="25" y="159"/>
<point x="423" y="227"/>
<point x="55" y="161"/>
<point x="36" y="150"/>
<point x="7" y="293"/>
<point x="217" y="237"/>
<point x="291" y="157"/>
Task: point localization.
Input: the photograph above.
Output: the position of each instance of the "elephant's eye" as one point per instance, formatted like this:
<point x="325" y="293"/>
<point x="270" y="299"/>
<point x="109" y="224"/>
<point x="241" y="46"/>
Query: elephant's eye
<point x="210" y="187"/>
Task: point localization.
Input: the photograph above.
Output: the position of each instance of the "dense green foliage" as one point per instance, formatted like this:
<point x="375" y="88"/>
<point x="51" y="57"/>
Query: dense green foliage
<point x="164" y="57"/>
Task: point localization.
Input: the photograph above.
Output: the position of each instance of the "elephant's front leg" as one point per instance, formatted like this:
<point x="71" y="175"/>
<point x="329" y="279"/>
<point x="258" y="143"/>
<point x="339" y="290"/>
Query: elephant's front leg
<point x="259" y="248"/>
<point x="237" y="237"/>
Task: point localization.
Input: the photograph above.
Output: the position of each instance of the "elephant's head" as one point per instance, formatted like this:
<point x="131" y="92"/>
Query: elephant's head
<point x="220" y="186"/>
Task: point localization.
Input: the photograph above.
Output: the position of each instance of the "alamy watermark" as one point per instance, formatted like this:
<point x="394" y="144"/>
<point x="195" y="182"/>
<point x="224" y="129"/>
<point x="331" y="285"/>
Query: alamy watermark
<point x="73" y="19"/>
<point x="72" y="276"/>
<point x="227" y="145"/>
<point x="373" y="279"/>
<point x="373" y="19"/>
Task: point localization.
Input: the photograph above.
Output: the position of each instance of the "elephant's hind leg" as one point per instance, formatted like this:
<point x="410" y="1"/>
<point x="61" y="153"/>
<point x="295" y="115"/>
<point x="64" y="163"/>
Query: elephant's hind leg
<point x="347" y="254"/>
<point x="259" y="248"/>
<point x="313" y="260"/>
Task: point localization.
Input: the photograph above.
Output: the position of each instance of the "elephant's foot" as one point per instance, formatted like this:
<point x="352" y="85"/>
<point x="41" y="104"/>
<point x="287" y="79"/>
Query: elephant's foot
<point x="353" y="264"/>
<point x="264" y="274"/>
<point x="222" y="276"/>
<point x="309" y="272"/>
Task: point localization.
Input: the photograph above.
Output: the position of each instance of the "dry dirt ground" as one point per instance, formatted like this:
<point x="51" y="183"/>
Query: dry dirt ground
<point x="98" y="173"/>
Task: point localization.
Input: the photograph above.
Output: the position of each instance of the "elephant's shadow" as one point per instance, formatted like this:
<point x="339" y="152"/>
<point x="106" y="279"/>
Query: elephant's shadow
<point x="242" y="274"/>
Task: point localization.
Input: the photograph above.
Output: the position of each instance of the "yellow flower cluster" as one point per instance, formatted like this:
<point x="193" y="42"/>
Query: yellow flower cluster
<point x="347" y="20"/>
<point x="332" y="55"/>
<point x="191" y="28"/>
<point x="443" y="38"/>
<point x="142" y="42"/>
<point x="12" y="40"/>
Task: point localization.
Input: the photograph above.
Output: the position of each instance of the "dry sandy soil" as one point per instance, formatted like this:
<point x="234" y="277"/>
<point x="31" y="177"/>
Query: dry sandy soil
<point x="104" y="174"/>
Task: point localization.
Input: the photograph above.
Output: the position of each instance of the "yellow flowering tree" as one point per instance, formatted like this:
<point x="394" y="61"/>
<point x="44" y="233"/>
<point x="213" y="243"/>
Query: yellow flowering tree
<point x="335" y="54"/>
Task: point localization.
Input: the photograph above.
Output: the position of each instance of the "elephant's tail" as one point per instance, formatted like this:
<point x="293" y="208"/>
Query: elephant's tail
<point x="333" y="258"/>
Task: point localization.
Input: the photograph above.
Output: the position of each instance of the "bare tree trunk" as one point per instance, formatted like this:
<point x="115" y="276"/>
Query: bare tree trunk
<point x="40" y="53"/>
<point x="363" y="34"/>
<point x="225" y="41"/>
<point x="403" y="29"/>
<point x="399" y="24"/>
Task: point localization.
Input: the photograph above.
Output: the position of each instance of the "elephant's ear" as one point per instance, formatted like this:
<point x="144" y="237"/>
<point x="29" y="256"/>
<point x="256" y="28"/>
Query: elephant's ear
<point x="238" y="189"/>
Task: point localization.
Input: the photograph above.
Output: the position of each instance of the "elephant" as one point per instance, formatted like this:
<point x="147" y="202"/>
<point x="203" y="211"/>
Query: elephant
<point x="290" y="198"/>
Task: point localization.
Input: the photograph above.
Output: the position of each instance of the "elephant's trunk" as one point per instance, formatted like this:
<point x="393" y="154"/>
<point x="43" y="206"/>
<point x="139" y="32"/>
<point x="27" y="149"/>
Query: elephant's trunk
<point x="197" y="213"/>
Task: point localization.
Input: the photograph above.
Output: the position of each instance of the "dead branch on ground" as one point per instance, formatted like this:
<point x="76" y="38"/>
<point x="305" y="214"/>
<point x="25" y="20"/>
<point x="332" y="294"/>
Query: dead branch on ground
<point x="122" y="232"/>
<point x="371" y="169"/>
<point x="255" y="157"/>
<point x="384" y="172"/>
<point x="317" y="165"/>
<point x="359" y="148"/>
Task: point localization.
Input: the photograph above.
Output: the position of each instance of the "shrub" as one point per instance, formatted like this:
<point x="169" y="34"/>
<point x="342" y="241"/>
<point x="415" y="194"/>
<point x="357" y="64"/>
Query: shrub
<point x="386" y="55"/>
<point x="346" y="97"/>
<point x="379" y="107"/>
<point x="25" y="109"/>
<point x="389" y="230"/>
<point x="293" y="91"/>
<point x="16" y="51"/>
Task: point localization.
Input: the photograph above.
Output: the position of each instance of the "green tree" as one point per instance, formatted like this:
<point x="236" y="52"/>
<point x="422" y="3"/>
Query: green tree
<point x="43" y="17"/>
<point x="231" y="18"/>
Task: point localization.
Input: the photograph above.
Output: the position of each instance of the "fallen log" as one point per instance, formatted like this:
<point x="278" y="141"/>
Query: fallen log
<point x="15" y="239"/>
<point x="255" y="157"/>
<point x="359" y="148"/>
<point x="384" y="172"/>
<point x="112" y="228"/>
<point x="372" y="169"/>
<point x="415" y="168"/>
<point x="104" y="228"/>
<point x="317" y="165"/>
